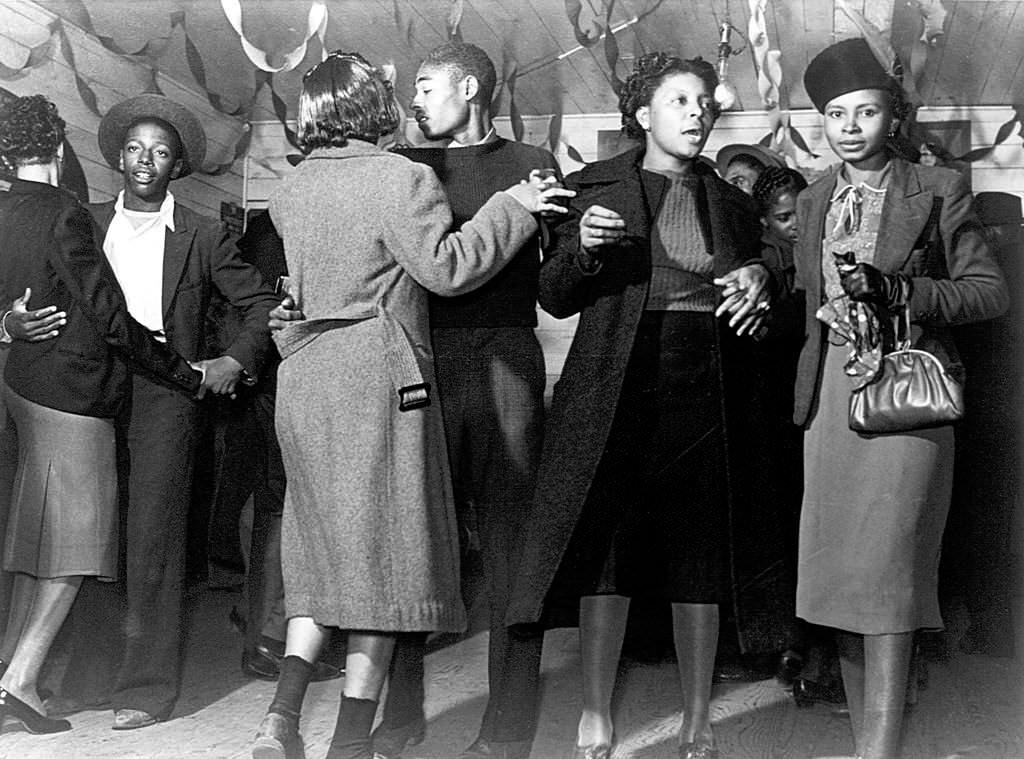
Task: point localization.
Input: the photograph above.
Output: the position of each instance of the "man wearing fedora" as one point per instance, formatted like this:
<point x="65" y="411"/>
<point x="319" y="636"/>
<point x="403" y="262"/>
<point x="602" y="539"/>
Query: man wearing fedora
<point x="169" y="262"/>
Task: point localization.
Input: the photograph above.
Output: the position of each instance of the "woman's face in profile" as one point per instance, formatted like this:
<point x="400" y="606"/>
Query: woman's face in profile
<point x="678" y="119"/>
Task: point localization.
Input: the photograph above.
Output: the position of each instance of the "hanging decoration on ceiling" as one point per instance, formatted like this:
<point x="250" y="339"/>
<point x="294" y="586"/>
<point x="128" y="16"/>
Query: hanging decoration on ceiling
<point x="152" y="48"/>
<point x="37" y="55"/>
<point x="454" y="19"/>
<point x="933" y="16"/>
<point x="316" y="25"/>
<point x="403" y="23"/>
<point x="58" y="37"/>
<point x="783" y="138"/>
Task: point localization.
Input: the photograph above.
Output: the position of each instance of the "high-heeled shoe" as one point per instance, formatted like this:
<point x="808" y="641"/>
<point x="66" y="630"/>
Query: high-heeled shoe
<point x="596" y="751"/>
<point x="36" y="723"/>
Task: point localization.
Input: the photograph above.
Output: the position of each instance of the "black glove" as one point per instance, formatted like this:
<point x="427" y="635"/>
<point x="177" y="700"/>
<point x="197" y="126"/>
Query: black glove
<point x="866" y="284"/>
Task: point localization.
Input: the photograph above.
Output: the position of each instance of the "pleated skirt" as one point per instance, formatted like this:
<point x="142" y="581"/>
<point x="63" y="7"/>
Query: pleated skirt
<point x="63" y="519"/>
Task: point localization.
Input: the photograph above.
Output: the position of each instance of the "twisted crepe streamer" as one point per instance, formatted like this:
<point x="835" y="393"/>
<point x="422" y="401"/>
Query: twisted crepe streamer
<point x="316" y="25"/>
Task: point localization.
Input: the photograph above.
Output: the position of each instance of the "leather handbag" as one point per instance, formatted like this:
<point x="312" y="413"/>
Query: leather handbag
<point x="910" y="391"/>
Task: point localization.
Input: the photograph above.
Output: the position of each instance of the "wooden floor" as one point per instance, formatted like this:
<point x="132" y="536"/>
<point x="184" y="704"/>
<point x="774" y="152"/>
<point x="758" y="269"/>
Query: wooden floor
<point x="973" y="707"/>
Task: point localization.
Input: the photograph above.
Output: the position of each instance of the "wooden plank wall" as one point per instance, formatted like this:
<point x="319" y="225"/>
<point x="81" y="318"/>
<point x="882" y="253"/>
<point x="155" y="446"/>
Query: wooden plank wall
<point x="112" y="78"/>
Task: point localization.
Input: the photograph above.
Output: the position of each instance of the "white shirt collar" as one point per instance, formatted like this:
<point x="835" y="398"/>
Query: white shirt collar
<point x="164" y="215"/>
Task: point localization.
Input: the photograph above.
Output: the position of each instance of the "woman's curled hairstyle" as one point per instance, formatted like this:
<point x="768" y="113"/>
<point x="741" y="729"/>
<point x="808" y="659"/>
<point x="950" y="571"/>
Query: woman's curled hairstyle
<point x="31" y="131"/>
<point x="648" y="73"/>
<point x="344" y="97"/>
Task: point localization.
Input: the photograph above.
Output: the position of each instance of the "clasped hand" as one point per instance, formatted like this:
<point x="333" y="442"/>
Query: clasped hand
<point x="220" y="376"/>
<point x="600" y="227"/>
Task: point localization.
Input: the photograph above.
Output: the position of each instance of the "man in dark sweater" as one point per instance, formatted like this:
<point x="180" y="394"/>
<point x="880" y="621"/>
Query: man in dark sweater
<point x="490" y="375"/>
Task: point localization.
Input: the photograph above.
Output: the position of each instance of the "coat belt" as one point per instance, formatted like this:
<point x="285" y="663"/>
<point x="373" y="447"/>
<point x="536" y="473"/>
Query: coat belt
<point x="399" y="356"/>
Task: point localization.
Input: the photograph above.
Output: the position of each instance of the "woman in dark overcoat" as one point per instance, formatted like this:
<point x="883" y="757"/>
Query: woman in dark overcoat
<point x="650" y="481"/>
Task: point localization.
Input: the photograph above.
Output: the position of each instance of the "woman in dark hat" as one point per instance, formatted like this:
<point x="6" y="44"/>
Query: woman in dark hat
<point x="877" y="235"/>
<point x="649" y="484"/>
<point x="63" y="394"/>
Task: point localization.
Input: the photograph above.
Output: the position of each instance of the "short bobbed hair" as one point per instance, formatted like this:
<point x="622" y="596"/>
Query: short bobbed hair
<point x="462" y="59"/>
<point x="648" y="73"/>
<point x="344" y="97"/>
<point x="31" y="131"/>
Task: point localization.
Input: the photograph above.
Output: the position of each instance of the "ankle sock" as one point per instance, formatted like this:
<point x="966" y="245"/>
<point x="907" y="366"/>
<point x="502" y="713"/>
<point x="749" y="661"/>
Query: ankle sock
<point x="291" y="687"/>
<point x="351" y="738"/>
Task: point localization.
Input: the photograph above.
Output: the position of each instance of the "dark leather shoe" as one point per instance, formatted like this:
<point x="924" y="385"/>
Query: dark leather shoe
<point x="277" y="737"/>
<point x="324" y="671"/>
<point x="791" y="663"/>
<point x="263" y="664"/>
<point x="390" y="742"/>
<point x="260" y="663"/>
<point x="807" y="693"/>
<point x="484" y="748"/>
<point x="132" y="719"/>
<point x="38" y="724"/>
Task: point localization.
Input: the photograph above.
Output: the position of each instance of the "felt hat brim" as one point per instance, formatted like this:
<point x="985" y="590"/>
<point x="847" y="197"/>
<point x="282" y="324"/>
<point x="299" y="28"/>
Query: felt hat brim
<point x="769" y="158"/>
<point x="115" y="123"/>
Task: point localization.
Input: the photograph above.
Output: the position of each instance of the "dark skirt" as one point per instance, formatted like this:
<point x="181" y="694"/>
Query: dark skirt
<point x="655" y="520"/>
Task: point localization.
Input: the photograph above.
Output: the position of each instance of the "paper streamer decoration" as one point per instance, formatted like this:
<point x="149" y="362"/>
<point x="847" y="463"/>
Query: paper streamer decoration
<point x="315" y="25"/>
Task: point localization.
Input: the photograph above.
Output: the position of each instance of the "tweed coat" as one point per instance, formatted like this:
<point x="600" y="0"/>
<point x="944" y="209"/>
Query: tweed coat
<point x="369" y="535"/>
<point x="610" y="305"/>
<point x="932" y="235"/>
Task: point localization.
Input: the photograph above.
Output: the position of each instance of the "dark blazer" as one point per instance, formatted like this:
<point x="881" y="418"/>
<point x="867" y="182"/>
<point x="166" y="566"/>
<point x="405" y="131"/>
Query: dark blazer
<point x="199" y="257"/>
<point x="47" y="244"/>
<point x="610" y="305"/>
<point x="929" y="232"/>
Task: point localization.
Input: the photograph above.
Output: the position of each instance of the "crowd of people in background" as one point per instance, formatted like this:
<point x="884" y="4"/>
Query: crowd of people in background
<point x="381" y="360"/>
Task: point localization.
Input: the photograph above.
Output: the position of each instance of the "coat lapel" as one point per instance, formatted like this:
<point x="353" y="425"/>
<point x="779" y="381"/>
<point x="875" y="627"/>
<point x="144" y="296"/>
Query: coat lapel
<point x="176" y="248"/>
<point x="904" y="215"/>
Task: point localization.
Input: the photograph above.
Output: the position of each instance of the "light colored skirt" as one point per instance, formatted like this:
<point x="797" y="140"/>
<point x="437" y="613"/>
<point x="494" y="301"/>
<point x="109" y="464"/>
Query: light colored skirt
<point x="873" y="514"/>
<point x="63" y="519"/>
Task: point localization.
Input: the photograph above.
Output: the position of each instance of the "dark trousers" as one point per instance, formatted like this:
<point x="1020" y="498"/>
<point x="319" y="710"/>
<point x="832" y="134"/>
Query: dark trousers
<point x="491" y="387"/>
<point x="128" y="638"/>
<point x="250" y="464"/>
<point x="162" y="434"/>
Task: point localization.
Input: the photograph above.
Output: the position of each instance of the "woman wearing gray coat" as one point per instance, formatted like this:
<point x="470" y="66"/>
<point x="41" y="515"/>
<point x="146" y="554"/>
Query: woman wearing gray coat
<point x="369" y="542"/>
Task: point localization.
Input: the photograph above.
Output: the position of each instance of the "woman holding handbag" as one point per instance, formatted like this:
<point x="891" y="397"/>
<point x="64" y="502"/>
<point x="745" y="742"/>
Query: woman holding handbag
<point x="877" y="235"/>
